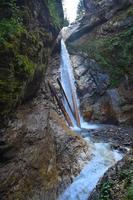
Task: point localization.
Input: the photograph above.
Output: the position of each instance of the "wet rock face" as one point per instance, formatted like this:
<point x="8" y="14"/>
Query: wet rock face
<point x="92" y="84"/>
<point x="90" y="78"/>
<point x="98" y="102"/>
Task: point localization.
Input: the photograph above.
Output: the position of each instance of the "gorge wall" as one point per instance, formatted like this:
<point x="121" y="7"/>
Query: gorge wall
<point x="102" y="54"/>
<point x="28" y="30"/>
<point x="39" y="154"/>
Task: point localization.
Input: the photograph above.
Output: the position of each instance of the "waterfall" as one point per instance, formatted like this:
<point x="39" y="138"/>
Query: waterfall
<point x="68" y="84"/>
<point x="103" y="155"/>
<point x="71" y="104"/>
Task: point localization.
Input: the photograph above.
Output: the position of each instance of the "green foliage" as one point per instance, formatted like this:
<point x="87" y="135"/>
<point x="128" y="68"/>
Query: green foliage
<point x="15" y="68"/>
<point x="12" y="7"/>
<point x="25" y="67"/>
<point x="22" y="52"/>
<point x="9" y="29"/>
<point x="113" y="53"/>
<point x="130" y="193"/>
<point x="105" y="191"/>
<point x="54" y="13"/>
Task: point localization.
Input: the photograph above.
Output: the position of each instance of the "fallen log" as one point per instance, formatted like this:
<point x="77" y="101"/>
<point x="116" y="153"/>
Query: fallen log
<point x="64" y="94"/>
<point x="75" y="106"/>
<point x="60" y="104"/>
<point x="76" y="110"/>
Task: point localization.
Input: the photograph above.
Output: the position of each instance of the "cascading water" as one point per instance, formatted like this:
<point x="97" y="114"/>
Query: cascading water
<point x="88" y="178"/>
<point x="103" y="156"/>
<point x="68" y="83"/>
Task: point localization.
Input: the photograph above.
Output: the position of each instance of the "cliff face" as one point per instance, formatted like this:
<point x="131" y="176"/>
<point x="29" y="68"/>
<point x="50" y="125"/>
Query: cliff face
<point x="104" y="41"/>
<point x="107" y="8"/>
<point x="28" y="30"/>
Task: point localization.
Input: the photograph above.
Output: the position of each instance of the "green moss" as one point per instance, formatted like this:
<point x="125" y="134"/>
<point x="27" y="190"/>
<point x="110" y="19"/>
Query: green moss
<point x="25" y="66"/>
<point x="23" y="53"/>
<point x="9" y="29"/>
<point x="54" y="12"/>
<point x="15" y="68"/>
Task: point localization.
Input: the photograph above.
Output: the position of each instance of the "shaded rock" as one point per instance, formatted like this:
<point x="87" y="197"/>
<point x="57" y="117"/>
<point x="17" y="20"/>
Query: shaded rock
<point x="28" y="32"/>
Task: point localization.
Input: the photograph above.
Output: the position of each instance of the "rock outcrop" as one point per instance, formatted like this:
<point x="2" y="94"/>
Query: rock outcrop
<point x="28" y="30"/>
<point x="40" y="155"/>
<point x="102" y="49"/>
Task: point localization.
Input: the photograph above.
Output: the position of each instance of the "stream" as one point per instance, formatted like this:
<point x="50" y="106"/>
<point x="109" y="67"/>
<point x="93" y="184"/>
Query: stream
<point x="103" y="156"/>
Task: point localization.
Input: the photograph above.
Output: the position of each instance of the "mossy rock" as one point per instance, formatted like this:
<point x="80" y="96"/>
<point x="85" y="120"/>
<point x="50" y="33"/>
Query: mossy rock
<point x="24" y="50"/>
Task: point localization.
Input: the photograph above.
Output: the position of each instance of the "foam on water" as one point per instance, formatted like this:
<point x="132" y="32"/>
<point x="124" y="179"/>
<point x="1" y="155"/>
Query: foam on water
<point x="84" y="184"/>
